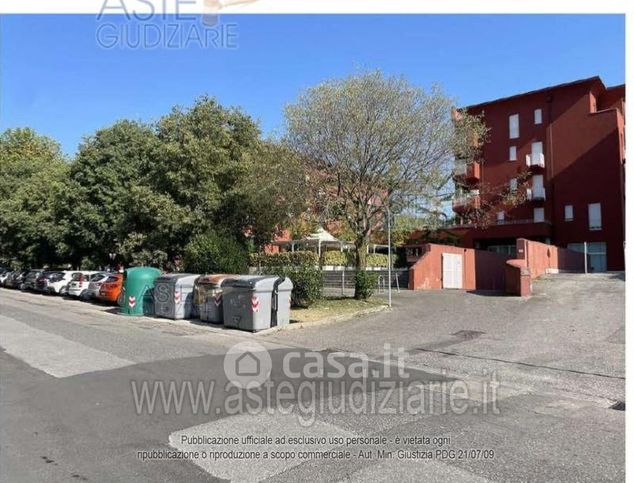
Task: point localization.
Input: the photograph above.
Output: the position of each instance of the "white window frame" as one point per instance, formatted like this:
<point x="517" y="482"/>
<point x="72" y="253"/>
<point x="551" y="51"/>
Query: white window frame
<point x="569" y="213"/>
<point x="513" y="184"/>
<point x="514" y="126"/>
<point x="500" y="217"/>
<point x="541" y="218"/>
<point x="537" y="115"/>
<point x="594" y="222"/>
<point x="512" y="153"/>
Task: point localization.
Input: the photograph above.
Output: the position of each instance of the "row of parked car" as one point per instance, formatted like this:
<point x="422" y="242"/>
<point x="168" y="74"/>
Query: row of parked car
<point x="82" y="284"/>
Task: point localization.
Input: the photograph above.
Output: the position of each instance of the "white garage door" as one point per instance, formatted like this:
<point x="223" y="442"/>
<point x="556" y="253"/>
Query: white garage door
<point x="451" y="270"/>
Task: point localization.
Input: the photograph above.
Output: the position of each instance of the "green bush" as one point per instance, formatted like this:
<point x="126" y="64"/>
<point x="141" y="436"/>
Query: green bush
<point x="364" y="284"/>
<point x="338" y="258"/>
<point x="307" y="281"/>
<point x="377" y="260"/>
<point x="215" y="253"/>
<point x="284" y="259"/>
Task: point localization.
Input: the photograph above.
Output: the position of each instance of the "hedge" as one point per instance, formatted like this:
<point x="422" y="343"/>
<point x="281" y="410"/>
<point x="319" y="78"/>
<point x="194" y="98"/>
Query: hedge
<point x="348" y="259"/>
<point x="284" y="259"/>
<point x="338" y="258"/>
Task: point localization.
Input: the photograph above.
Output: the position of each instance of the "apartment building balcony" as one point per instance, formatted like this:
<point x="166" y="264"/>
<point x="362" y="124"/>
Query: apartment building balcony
<point x="467" y="202"/>
<point x="467" y="172"/>
<point x="535" y="194"/>
<point x="535" y="160"/>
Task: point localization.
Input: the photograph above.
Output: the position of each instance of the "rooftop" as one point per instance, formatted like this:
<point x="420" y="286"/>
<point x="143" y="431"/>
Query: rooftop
<point x="593" y="79"/>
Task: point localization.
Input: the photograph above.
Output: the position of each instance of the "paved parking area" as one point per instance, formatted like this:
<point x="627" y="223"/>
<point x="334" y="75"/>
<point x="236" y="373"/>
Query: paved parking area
<point x="69" y="410"/>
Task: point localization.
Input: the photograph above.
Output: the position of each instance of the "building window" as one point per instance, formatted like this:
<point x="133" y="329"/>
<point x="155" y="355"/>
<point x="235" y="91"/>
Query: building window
<point x="538" y="215"/>
<point x="568" y="213"/>
<point x="513" y="153"/>
<point x="594" y="216"/>
<point x="513" y="184"/>
<point x="500" y="217"/>
<point x="538" y="116"/>
<point x="514" y="126"/>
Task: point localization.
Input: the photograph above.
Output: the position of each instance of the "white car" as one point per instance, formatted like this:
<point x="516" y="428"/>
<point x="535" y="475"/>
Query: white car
<point x="59" y="283"/>
<point x="3" y="276"/>
<point x="79" y="282"/>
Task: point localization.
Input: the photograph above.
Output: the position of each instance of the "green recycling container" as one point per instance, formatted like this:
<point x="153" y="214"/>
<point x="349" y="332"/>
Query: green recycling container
<point x="138" y="286"/>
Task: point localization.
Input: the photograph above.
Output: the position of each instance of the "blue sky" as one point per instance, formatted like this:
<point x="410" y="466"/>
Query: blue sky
<point x="55" y="77"/>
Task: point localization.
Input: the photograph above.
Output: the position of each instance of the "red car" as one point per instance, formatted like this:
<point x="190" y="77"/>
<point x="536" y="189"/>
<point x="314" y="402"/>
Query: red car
<point x="111" y="288"/>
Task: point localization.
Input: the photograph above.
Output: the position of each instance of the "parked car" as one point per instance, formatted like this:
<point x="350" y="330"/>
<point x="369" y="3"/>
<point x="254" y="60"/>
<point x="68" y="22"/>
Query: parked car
<point x="58" y="284"/>
<point x="94" y="285"/>
<point x="30" y="279"/>
<point x="79" y="283"/>
<point x="3" y="277"/>
<point x="43" y="281"/>
<point x="15" y="279"/>
<point x="110" y="290"/>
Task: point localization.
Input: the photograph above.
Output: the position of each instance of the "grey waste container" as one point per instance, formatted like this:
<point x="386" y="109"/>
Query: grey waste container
<point x="173" y="295"/>
<point x="210" y="292"/>
<point x="256" y="302"/>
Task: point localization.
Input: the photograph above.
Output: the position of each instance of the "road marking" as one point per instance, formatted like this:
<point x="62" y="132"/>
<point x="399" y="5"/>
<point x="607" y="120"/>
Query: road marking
<point x="246" y="425"/>
<point x="52" y="353"/>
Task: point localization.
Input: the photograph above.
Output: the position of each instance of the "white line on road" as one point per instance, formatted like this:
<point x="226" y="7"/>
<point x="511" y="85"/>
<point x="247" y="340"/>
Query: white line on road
<point x="52" y="353"/>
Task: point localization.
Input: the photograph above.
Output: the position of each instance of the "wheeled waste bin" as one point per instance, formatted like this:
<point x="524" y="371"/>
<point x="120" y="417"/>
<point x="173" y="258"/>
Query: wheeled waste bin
<point x="174" y="295"/>
<point x="138" y="285"/>
<point x="252" y="302"/>
<point x="209" y="296"/>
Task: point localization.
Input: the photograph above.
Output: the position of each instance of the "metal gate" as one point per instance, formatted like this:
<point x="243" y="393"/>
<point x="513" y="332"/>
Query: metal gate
<point x="451" y="270"/>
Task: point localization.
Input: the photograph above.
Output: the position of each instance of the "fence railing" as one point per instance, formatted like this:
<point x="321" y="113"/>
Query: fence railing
<point x="342" y="281"/>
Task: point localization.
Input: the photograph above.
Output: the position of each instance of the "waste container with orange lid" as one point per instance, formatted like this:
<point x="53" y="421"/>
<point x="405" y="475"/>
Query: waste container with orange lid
<point x="209" y="293"/>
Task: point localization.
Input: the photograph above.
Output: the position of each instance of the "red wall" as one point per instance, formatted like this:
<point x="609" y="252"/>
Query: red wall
<point x="482" y="270"/>
<point x="534" y="259"/>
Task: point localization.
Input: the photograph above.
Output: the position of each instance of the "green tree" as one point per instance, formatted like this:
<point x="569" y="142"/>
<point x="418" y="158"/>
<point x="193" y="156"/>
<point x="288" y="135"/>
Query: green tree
<point x="378" y="140"/>
<point x="33" y="175"/>
<point x="109" y="165"/>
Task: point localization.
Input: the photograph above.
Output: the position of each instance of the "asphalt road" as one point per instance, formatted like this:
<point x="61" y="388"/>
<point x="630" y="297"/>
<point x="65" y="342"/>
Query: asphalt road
<point x="491" y="389"/>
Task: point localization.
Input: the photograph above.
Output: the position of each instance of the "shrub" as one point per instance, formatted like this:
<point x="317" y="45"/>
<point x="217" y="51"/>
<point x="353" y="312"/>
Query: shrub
<point x="307" y="283"/>
<point x="365" y="284"/>
<point x="284" y="259"/>
<point x="377" y="260"/>
<point x="338" y="258"/>
<point x="215" y="253"/>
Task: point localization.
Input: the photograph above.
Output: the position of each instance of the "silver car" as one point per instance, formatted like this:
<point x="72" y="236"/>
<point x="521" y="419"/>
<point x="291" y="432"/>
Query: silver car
<point x="95" y="284"/>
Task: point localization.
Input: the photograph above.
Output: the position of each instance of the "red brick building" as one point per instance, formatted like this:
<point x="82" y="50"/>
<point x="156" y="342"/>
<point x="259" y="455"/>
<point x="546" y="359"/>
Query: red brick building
<point x="565" y="144"/>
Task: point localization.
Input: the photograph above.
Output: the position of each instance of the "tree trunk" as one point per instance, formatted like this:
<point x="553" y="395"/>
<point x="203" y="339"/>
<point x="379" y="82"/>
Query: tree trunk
<point x="361" y="259"/>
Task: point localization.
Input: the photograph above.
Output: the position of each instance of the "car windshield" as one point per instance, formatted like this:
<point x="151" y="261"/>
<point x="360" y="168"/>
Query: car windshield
<point x="97" y="277"/>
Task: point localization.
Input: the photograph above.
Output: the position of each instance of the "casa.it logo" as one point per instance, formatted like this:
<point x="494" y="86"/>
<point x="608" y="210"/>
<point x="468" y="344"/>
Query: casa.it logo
<point x="212" y="8"/>
<point x="247" y="365"/>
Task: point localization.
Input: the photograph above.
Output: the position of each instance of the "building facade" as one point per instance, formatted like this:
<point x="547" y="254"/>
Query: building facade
<point x="564" y="148"/>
